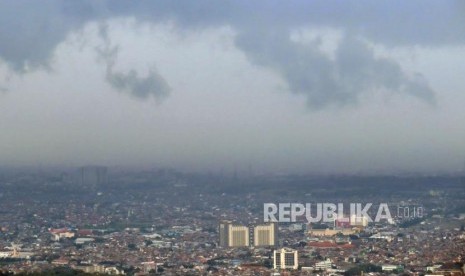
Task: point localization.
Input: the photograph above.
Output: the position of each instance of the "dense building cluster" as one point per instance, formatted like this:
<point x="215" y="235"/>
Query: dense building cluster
<point x="166" y="222"/>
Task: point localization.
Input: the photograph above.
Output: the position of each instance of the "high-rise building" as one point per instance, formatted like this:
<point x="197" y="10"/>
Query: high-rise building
<point x="93" y="176"/>
<point x="265" y="234"/>
<point x="224" y="233"/>
<point x="238" y="236"/>
<point x="285" y="258"/>
<point x="234" y="235"/>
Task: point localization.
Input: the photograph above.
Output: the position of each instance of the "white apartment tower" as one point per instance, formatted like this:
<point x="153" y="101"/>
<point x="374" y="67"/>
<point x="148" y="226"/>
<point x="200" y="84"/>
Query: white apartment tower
<point x="285" y="258"/>
<point x="234" y="235"/>
<point x="265" y="234"/>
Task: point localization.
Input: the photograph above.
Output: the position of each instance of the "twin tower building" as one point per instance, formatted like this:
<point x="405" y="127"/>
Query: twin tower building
<point x="235" y="235"/>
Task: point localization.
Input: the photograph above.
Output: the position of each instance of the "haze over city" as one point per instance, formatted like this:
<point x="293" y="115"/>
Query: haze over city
<point x="283" y="86"/>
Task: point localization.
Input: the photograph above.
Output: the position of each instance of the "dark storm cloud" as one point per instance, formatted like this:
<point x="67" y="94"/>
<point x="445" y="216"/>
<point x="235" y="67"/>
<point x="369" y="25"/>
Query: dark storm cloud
<point x="325" y="81"/>
<point x="31" y="30"/>
<point x="140" y="87"/>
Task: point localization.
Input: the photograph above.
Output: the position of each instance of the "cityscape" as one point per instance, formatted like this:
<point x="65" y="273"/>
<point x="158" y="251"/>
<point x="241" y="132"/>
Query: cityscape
<point x="164" y="222"/>
<point x="232" y="137"/>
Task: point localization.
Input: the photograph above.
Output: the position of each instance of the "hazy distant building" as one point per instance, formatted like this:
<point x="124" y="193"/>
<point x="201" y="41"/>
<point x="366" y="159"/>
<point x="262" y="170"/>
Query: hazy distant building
<point x="234" y="235"/>
<point x="358" y="221"/>
<point x="93" y="176"/>
<point x="323" y="265"/>
<point x="285" y="258"/>
<point x="342" y="223"/>
<point x="58" y="234"/>
<point x="331" y="232"/>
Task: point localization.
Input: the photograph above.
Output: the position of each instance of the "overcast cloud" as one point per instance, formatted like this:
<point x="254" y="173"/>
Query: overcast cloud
<point x="319" y="57"/>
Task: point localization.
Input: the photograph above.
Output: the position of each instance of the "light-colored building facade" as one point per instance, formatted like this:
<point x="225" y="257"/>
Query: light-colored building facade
<point x="331" y="232"/>
<point x="238" y="236"/>
<point x="285" y="258"/>
<point x="323" y="265"/>
<point x="265" y="234"/>
<point x="234" y="235"/>
<point x="358" y="221"/>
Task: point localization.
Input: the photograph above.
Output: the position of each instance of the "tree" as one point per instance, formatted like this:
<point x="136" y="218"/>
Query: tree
<point x="268" y="263"/>
<point x="132" y="246"/>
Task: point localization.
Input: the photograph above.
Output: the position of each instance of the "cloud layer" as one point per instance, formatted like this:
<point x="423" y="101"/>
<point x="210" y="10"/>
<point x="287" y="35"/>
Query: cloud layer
<point x="30" y="31"/>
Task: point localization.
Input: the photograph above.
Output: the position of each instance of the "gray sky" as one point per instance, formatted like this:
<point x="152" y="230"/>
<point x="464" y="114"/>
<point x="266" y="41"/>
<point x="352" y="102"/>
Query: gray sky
<point x="284" y="86"/>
